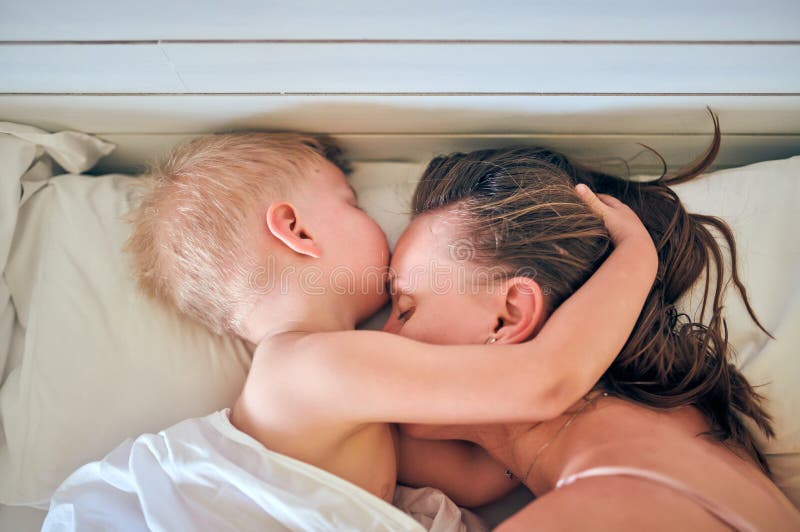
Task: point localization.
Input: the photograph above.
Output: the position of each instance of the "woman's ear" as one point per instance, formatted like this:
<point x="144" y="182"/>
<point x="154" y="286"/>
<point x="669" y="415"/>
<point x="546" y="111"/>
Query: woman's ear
<point x="284" y="224"/>
<point x="524" y="311"/>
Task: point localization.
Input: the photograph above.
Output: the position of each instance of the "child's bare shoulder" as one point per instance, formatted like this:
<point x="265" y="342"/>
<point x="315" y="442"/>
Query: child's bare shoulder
<point x="319" y="347"/>
<point x="309" y="354"/>
<point x="299" y="373"/>
<point x="337" y="341"/>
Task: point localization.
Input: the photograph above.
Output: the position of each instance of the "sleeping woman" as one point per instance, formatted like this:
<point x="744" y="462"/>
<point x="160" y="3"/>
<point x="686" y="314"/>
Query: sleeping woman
<point x="664" y="441"/>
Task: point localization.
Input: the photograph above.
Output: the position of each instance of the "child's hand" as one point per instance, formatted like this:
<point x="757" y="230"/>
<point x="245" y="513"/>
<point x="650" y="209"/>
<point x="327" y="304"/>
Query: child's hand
<point x="626" y="231"/>
<point x="621" y="222"/>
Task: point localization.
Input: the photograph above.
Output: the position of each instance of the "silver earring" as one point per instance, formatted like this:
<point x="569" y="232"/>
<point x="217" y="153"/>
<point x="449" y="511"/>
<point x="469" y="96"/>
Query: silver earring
<point x="491" y="340"/>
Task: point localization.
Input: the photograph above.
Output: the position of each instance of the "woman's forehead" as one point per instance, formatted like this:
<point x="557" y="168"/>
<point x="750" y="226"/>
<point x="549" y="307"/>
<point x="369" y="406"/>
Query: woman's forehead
<point x="424" y="253"/>
<point x="426" y="236"/>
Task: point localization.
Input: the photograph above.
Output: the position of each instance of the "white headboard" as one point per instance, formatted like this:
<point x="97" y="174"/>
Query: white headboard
<point x="403" y="81"/>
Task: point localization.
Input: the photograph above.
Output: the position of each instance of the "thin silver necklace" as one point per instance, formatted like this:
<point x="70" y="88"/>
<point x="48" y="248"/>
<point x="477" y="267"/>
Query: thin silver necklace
<point x="563" y="427"/>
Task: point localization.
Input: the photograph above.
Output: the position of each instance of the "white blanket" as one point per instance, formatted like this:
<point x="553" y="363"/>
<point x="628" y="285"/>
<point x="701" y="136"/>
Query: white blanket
<point x="204" y="474"/>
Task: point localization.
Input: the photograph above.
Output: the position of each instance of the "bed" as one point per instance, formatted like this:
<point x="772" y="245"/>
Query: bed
<point x="78" y="343"/>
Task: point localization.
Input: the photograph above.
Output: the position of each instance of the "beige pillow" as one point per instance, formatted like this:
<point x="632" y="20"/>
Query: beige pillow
<point x="760" y="203"/>
<point x="100" y="361"/>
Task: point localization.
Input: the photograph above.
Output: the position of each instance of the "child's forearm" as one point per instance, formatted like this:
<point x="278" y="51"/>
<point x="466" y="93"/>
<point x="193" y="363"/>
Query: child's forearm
<point x="589" y="329"/>
<point x="463" y="471"/>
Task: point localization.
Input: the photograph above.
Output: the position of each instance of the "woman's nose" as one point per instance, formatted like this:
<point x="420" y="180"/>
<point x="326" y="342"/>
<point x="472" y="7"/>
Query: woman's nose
<point x="390" y="326"/>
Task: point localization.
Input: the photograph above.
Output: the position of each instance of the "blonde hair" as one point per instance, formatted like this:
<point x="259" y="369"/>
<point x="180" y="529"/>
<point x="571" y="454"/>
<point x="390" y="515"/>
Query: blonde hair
<point x="191" y="242"/>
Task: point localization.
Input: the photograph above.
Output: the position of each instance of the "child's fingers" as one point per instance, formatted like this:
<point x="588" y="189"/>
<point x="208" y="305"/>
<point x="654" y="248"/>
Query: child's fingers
<point x="611" y="201"/>
<point x="591" y="199"/>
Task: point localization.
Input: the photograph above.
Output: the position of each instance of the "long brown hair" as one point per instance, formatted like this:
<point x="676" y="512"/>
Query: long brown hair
<point x="520" y="211"/>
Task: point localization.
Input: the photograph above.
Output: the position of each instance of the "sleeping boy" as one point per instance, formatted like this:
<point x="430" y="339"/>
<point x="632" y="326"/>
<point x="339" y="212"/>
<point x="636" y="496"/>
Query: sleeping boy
<point x="261" y="236"/>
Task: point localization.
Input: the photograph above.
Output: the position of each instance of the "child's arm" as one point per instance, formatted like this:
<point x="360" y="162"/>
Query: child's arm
<point x="464" y="471"/>
<point x="370" y="376"/>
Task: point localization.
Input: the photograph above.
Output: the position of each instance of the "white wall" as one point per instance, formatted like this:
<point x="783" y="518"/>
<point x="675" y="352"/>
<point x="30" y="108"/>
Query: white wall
<point x="92" y="20"/>
<point x="406" y="80"/>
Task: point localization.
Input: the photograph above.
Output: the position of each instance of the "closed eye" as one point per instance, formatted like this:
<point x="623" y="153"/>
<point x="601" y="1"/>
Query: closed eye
<point x="406" y="314"/>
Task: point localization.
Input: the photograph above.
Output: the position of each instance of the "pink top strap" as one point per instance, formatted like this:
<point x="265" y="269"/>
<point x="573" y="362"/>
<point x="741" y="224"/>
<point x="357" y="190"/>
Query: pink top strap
<point x="726" y="515"/>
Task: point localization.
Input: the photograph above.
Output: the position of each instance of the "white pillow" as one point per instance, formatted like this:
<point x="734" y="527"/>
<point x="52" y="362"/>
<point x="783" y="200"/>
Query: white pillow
<point x="100" y="362"/>
<point x="760" y="203"/>
<point x="28" y="156"/>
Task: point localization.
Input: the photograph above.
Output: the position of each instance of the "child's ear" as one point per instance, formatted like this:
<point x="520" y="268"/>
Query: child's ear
<point x="524" y="311"/>
<point x="284" y="223"/>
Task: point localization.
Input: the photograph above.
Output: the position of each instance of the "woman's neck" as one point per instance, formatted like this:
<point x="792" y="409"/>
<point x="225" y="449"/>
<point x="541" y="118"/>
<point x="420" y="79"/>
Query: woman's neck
<point x="535" y="453"/>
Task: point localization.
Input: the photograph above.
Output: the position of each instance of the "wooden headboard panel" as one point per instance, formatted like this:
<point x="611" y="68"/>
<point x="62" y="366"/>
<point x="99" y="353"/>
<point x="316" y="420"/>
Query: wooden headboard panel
<point x="404" y="81"/>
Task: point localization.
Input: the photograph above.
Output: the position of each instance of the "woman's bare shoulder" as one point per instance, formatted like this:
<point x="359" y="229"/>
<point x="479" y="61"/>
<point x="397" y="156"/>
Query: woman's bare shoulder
<point x="611" y="503"/>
